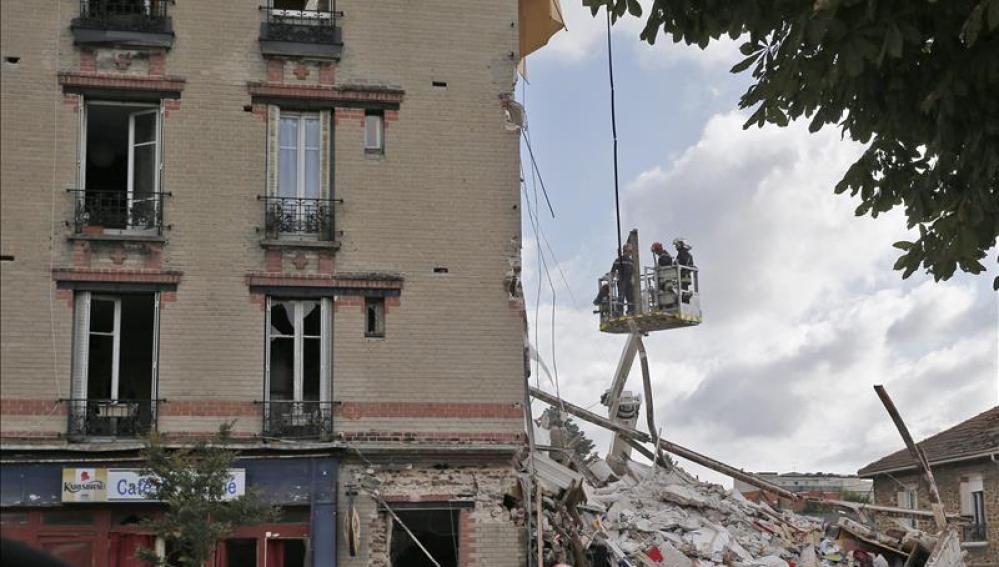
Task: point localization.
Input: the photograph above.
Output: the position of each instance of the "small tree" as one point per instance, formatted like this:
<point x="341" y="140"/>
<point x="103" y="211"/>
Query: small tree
<point x="191" y="482"/>
<point x="574" y="439"/>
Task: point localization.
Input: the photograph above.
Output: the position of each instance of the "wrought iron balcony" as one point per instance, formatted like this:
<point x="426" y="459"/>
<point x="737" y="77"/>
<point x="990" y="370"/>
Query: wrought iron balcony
<point x="110" y="418"/>
<point x="127" y="22"/>
<point x="100" y="211"/>
<point x="301" y="32"/>
<point x="298" y="419"/>
<point x="294" y="218"/>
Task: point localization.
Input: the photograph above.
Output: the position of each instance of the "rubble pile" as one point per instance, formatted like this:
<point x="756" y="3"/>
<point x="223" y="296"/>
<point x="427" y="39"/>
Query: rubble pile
<point x="669" y="519"/>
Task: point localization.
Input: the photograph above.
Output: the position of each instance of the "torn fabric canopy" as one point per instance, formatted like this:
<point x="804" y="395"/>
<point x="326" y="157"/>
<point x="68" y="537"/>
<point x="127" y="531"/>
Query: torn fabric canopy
<point x="539" y="21"/>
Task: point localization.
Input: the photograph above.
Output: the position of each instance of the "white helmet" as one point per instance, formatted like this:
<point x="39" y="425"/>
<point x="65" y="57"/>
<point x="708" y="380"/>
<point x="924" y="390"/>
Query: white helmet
<point x="681" y="243"/>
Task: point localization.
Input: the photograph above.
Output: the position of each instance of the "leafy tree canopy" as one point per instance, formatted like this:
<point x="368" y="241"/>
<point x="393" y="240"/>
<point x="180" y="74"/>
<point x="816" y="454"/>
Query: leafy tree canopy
<point x="191" y="483"/>
<point x="916" y="81"/>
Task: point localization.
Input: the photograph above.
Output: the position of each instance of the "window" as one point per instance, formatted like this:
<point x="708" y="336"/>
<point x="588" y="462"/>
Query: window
<point x="115" y="362"/>
<point x="906" y="498"/>
<point x="296" y="203"/>
<point x="374" y="131"/>
<point x="299" y="332"/>
<point x="374" y="316"/>
<point x="120" y="167"/>
<point x="241" y="552"/>
<point x="285" y="552"/>
<point x="311" y="5"/>
<point x="437" y="530"/>
<point x="972" y="494"/>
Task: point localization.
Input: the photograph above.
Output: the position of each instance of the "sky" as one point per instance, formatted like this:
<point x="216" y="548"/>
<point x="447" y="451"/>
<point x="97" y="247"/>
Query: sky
<point x="803" y="313"/>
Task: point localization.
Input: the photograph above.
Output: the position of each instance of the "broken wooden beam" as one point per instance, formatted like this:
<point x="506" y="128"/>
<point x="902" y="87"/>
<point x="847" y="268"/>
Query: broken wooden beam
<point x="917" y="455"/>
<point x="862" y="507"/>
<point x="669" y="447"/>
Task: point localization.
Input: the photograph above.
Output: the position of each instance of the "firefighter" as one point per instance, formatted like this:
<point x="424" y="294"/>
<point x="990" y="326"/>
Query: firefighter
<point x="624" y="270"/>
<point x="662" y="257"/>
<point x="683" y="256"/>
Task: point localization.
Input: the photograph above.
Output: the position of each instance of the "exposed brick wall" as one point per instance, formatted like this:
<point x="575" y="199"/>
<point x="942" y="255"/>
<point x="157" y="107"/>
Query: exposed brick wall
<point x="948" y="479"/>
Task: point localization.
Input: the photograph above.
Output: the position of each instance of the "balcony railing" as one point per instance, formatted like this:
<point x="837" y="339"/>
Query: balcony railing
<point x="124" y="15"/>
<point x="298" y="419"/>
<point x="110" y="418"/>
<point x="302" y="33"/>
<point x="98" y="211"/>
<point x="294" y="218"/>
<point x="974" y="532"/>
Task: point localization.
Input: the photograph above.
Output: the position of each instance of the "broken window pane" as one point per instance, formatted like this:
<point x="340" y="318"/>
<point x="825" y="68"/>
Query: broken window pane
<point x="313" y="318"/>
<point x="282" y="368"/>
<point x="437" y="530"/>
<point x="374" y="316"/>
<point x="282" y="315"/>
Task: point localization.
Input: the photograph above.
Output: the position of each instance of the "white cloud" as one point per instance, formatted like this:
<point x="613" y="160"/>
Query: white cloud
<point x="585" y="37"/>
<point x="803" y="313"/>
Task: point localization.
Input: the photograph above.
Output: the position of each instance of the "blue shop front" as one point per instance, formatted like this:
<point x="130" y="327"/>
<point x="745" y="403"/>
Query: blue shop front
<point x="90" y="513"/>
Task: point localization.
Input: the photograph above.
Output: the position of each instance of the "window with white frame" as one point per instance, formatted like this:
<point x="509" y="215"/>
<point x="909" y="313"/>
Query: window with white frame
<point x="298" y="351"/>
<point x="907" y="498"/>
<point x="114" y="363"/>
<point x="374" y="131"/>
<point x="972" y="496"/>
<point x="299" y="156"/>
<point x="120" y="166"/>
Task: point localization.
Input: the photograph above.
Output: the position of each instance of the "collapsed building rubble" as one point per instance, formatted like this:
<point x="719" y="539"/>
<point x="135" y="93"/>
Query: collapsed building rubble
<point x="663" y="516"/>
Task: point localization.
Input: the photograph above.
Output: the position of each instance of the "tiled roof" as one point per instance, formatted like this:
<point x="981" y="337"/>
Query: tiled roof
<point x="969" y="438"/>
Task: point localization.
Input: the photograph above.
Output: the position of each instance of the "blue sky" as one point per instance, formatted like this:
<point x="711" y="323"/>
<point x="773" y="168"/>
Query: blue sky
<point x="803" y="313"/>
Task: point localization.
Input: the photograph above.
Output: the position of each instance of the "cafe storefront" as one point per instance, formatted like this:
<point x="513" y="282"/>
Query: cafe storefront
<point x="91" y="514"/>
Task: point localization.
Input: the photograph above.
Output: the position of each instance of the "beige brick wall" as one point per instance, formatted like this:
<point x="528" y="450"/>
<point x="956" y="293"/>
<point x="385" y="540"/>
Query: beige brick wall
<point x="444" y="194"/>
<point x="948" y="479"/>
<point x="491" y="535"/>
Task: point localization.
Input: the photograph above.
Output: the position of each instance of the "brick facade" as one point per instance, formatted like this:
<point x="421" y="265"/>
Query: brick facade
<point x="448" y="371"/>
<point x="948" y="478"/>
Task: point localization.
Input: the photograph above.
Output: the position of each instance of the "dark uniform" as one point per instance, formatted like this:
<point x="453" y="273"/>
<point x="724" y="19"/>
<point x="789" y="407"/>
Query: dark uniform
<point x="664" y="260"/>
<point x="624" y="268"/>
<point x="684" y="258"/>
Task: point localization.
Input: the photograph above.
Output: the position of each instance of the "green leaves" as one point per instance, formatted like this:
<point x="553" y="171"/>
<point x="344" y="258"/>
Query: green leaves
<point x="916" y="82"/>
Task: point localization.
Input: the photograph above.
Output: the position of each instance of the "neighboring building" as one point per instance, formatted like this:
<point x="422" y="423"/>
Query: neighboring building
<point x="817" y="485"/>
<point x="965" y="464"/>
<point x="301" y="217"/>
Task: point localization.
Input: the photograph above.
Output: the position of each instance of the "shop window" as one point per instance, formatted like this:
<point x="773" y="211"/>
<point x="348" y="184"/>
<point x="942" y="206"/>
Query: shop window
<point x="374" y="317"/>
<point x="298" y="368"/>
<point x="437" y="530"/>
<point x="120" y="169"/>
<point x="374" y="131"/>
<point x="285" y="553"/>
<point x="241" y="552"/>
<point x="114" y="364"/>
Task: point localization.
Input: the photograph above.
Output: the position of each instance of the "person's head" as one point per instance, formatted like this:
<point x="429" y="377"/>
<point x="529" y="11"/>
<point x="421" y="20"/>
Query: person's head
<point x="681" y="244"/>
<point x="657" y="247"/>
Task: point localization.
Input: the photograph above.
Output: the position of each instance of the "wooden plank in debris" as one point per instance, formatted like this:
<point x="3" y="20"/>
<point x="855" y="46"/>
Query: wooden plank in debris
<point x="947" y="552"/>
<point x="891" y="510"/>
<point x="917" y="455"/>
<point x="669" y="447"/>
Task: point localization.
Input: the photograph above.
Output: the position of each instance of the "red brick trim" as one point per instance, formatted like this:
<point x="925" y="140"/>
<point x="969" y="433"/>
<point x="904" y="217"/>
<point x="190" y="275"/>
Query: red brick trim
<point x="453" y="437"/>
<point x="171" y="85"/>
<point x="14" y="406"/>
<point x="224" y="408"/>
<point x="359" y="410"/>
<point x="335" y="95"/>
<point x="116" y="276"/>
<point x="319" y="280"/>
<point x="466" y="537"/>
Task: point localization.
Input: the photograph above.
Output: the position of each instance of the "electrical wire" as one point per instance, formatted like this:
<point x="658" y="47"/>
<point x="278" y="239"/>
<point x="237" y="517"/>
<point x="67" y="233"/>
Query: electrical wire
<point x="610" y="73"/>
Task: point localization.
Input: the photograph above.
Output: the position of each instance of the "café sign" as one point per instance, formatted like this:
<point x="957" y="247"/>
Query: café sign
<point x="125" y="485"/>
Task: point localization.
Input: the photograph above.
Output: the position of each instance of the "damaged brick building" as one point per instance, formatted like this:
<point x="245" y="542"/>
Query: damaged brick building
<point x="965" y="464"/>
<point x="302" y="217"/>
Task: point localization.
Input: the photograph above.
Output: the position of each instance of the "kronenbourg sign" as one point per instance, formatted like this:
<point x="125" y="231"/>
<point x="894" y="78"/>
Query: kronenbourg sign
<point x="84" y="485"/>
<point x="127" y="485"/>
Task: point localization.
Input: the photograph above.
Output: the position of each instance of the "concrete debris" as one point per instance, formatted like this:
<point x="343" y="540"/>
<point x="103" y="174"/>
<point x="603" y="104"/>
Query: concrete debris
<point x="666" y="518"/>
